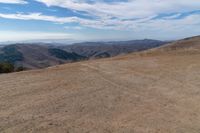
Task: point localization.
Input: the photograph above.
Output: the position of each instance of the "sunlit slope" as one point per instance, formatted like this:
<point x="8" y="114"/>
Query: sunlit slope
<point x="142" y="93"/>
<point x="185" y="46"/>
<point x="192" y="43"/>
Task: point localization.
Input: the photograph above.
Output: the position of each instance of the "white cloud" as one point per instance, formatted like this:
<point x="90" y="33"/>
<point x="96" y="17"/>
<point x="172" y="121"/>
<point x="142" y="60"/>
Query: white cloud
<point x="13" y="1"/>
<point x="172" y="16"/>
<point x="23" y="36"/>
<point x="129" y="9"/>
<point x="39" y="16"/>
<point x="73" y="27"/>
<point x="132" y="15"/>
<point x="117" y="24"/>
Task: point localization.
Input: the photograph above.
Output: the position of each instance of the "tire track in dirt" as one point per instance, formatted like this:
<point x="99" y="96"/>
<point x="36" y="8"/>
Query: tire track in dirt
<point x="116" y="85"/>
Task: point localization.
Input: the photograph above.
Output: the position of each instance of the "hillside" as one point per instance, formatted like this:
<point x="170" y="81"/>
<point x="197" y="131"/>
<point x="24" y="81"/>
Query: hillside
<point x="152" y="92"/>
<point x="109" y="49"/>
<point x="185" y="46"/>
<point x="32" y="56"/>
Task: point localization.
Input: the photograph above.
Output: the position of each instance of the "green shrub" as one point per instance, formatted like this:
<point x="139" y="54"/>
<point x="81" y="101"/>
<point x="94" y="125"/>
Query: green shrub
<point x="6" y="67"/>
<point x="19" y="69"/>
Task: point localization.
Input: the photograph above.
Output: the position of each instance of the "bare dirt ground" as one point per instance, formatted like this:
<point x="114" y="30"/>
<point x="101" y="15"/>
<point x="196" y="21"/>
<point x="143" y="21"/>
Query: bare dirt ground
<point x="129" y="94"/>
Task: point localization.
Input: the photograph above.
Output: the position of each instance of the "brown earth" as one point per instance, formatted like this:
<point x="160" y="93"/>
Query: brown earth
<point x="151" y="92"/>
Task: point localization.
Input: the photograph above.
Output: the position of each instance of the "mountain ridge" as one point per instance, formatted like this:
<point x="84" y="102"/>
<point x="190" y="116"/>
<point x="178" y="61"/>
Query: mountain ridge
<point x="45" y="55"/>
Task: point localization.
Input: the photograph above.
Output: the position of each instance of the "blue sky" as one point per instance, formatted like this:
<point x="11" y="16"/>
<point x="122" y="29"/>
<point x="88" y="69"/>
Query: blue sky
<point x="90" y="20"/>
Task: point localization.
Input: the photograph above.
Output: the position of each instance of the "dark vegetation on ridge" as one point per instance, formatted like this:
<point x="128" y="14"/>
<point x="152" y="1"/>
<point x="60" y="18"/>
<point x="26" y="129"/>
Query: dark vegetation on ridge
<point x="6" y="67"/>
<point x="61" y="54"/>
<point x="10" y="54"/>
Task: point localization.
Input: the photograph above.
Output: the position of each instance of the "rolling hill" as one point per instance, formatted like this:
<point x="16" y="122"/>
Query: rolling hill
<point x="32" y="56"/>
<point x="109" y="49"/>
<point x="156" y="91"/>
<point x="187" y="45"/>
<point x="36" y="56"/>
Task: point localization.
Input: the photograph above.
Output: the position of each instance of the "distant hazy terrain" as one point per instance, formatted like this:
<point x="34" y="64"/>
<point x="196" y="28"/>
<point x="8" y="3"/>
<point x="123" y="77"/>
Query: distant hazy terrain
<point x="110" y="49"/>
<point x="153" y="91"/>
<point x="33" y="56"/>
<point x="36" y="56"/>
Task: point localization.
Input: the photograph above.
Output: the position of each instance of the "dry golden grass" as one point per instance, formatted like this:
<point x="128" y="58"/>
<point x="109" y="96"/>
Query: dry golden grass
<point x="137" y="93"/>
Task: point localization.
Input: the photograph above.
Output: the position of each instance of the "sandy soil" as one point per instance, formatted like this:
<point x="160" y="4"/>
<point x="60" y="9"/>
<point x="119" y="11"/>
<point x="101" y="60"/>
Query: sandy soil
<point x="128" y="94"/>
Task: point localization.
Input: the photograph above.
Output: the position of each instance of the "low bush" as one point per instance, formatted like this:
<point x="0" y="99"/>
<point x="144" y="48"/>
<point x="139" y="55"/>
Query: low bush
<point x="21" y="68"/>
<point x="6" y="67"/>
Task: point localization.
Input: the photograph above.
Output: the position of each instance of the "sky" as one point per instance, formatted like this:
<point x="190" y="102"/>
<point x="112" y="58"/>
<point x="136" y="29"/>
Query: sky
<point x="90" y="20"/>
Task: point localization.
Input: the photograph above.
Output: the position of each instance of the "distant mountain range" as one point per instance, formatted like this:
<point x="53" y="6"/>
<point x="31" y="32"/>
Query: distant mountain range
<point x="41" y="55"/>
<point x="110" y="49"/>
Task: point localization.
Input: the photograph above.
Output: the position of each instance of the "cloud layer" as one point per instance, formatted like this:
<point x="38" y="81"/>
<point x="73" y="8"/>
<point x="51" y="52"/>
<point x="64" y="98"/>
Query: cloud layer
<point x="126" y="9"/>
<point x="19" y="36"/>
<point x="157" y="16"/>
<point x="13" y="1"/>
